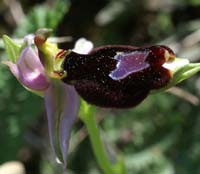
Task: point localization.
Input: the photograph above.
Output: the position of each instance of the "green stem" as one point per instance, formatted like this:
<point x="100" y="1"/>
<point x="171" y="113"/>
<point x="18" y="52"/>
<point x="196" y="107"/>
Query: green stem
<point x="98" y="147"/>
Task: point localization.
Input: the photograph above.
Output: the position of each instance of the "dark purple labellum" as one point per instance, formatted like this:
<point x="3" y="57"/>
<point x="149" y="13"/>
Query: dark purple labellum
<point x="118" y="76"/>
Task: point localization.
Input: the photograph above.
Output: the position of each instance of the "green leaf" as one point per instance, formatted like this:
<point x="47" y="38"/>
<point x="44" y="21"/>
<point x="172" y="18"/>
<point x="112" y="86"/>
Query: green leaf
<point x="12" y="48"/>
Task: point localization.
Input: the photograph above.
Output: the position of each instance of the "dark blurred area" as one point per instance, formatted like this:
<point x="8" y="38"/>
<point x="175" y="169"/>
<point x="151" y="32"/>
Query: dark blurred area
<point x="160" y="136"/>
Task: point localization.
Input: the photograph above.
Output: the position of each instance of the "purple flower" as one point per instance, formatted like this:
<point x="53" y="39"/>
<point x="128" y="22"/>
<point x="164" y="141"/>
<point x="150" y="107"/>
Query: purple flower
<point x="108" y="76"/>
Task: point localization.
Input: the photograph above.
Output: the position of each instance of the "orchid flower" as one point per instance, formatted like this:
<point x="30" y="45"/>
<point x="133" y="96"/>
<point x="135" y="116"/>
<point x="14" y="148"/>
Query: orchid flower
<point x="108" y="76"/>
<point x="38" y="75"/>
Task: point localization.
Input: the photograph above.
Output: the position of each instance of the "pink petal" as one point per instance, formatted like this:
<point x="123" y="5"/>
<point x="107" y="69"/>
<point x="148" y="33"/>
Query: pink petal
<point x="62" y="105"/>
<point x="29" y="70"/>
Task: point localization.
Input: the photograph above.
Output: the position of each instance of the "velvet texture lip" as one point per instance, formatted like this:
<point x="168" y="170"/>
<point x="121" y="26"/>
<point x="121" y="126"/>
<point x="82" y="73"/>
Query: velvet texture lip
<point x="118" y="76"/>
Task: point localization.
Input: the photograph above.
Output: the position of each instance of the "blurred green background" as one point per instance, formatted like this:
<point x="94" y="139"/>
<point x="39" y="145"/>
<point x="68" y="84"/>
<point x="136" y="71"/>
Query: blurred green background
<point x="160" y="136"/>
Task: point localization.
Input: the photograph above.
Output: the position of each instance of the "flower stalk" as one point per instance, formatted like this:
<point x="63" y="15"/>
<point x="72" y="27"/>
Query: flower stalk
<point x="88" y="118"/>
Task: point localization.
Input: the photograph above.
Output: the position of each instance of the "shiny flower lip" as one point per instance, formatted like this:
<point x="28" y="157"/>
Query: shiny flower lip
<point x="118" y="76"/>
